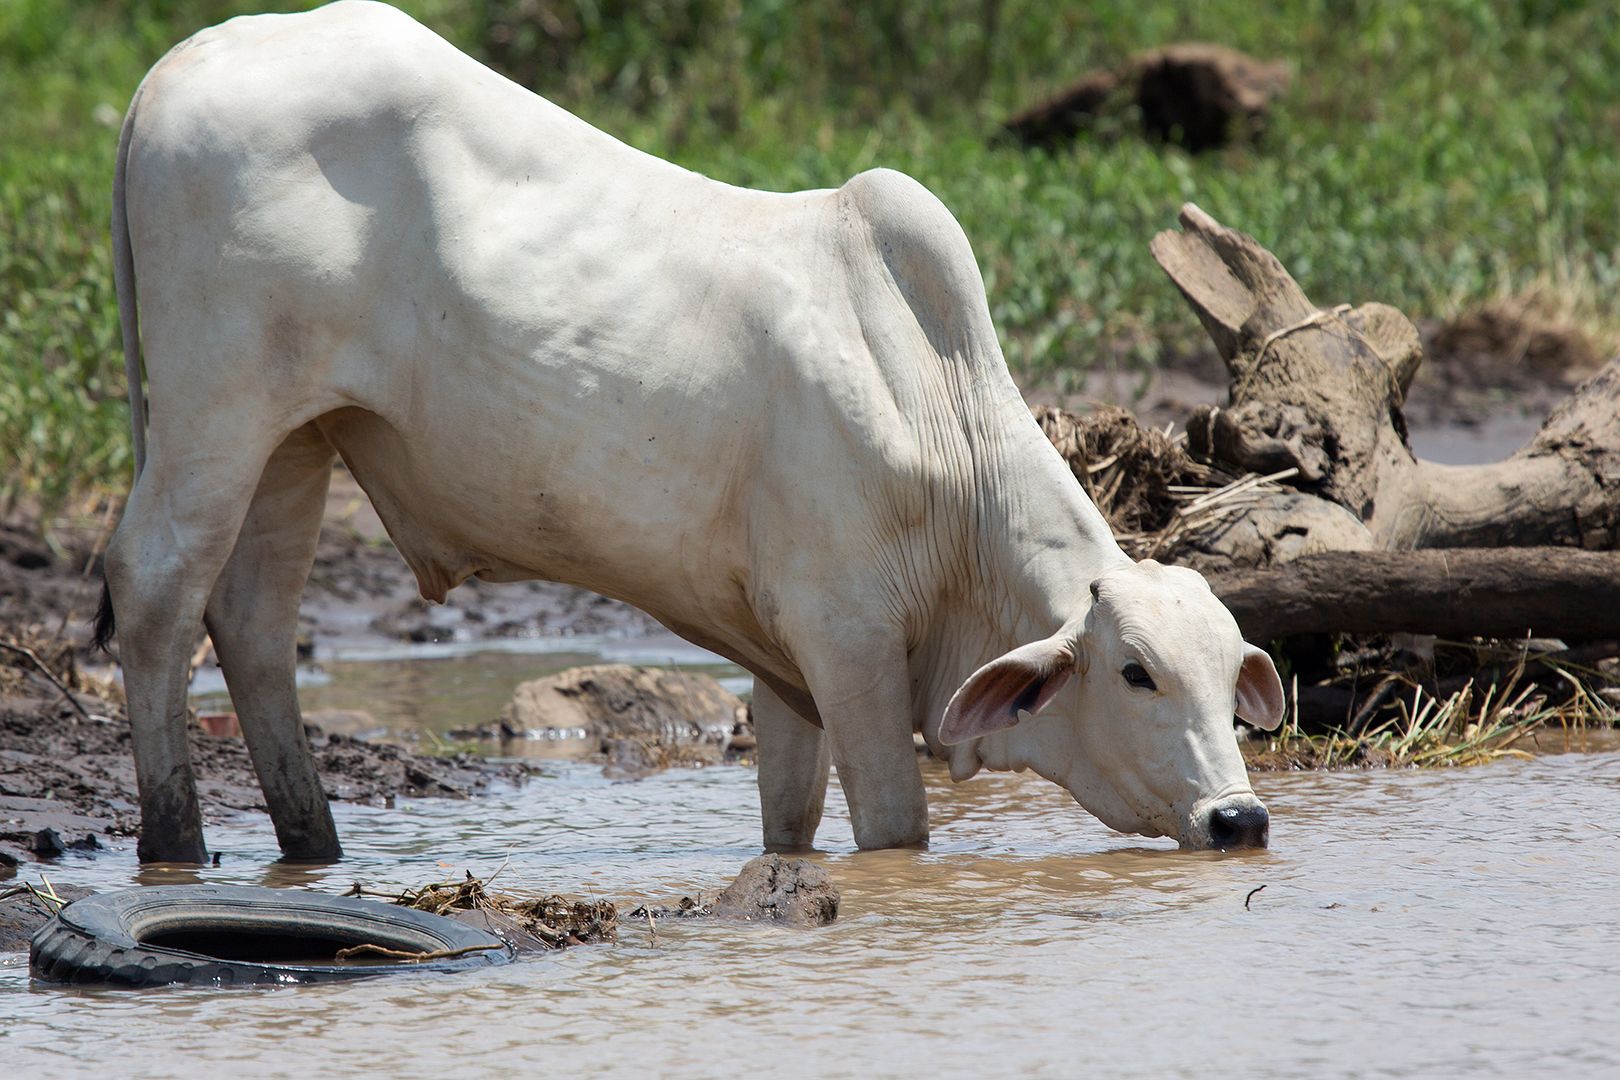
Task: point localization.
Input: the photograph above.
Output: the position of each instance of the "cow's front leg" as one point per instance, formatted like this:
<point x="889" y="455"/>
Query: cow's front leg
<point x="863" y="694"/>
<point x="793" y="765"/>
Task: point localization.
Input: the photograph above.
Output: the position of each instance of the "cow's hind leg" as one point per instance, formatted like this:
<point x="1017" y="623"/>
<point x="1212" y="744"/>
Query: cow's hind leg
<point x="176" y="534"/>
<point x="793" y="766"/>
<point x="253" y="618"/>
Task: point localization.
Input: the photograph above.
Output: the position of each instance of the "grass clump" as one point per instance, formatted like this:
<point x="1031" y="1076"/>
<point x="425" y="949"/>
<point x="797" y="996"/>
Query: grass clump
<point x="1411" y="719"/>
<point x="1435" y="156"/>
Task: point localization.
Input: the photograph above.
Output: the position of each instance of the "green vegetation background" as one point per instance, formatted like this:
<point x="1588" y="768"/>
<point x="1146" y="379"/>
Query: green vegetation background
<point x="1433" y="154"/>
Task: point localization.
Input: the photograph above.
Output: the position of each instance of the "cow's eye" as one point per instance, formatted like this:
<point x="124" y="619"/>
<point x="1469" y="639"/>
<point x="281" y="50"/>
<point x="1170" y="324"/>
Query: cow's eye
<point x="1136" y="676"/>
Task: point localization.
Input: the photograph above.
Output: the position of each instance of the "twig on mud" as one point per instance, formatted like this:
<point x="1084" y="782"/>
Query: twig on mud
<point x="48" y="898"/>
<point x="1246" y="899"/>
<point x="415" y="957"/>
<point x="652" y="926"/>
<point x="33" y="657"/>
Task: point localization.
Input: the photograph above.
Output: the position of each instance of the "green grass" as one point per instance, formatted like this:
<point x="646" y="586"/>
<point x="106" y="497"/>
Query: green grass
<point x="1434" y="155"/>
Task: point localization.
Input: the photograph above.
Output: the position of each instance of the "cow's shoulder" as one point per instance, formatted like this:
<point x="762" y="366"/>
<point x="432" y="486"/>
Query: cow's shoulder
<point x="904" y="232"/>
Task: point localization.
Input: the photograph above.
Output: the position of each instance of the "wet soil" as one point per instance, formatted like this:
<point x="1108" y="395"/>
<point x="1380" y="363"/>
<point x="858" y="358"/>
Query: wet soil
<point x="24" y="910"/>
<point x="67" y="781"/>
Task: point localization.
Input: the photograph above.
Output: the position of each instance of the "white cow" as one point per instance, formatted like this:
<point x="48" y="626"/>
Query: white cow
<point x="779" y="423"/>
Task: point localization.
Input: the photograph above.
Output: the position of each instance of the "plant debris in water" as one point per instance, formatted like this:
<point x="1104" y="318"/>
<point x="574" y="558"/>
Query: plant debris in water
<point x="531" y="923"/>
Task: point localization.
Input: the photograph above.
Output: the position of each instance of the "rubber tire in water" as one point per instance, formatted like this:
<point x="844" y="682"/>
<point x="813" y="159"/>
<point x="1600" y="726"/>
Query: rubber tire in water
<point x="102" y="939"/>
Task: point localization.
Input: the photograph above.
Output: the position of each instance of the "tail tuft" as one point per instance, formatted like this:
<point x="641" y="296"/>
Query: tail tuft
<point x="105" y="624"/>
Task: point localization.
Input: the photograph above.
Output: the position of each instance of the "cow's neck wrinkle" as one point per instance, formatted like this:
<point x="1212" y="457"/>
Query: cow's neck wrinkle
<point x="1038" y="542"/>
<point x="1040" y="539"/>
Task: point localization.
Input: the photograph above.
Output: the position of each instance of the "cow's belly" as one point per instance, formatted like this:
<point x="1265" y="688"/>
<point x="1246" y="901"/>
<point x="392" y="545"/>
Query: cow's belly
<point x="484" y="487"/>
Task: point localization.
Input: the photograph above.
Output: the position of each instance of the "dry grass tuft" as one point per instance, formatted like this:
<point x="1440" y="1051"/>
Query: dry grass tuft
<point x="1407" y="724"/>
<point x="1153" y="493"/>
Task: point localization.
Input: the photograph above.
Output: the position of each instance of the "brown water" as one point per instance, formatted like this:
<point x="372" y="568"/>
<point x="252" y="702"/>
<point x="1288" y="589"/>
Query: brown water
<point x="1412" y="923"/>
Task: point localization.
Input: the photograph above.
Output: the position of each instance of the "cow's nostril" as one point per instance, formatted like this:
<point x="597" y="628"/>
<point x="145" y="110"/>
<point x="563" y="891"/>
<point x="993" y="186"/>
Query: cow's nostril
<point x="1240" y="825"/>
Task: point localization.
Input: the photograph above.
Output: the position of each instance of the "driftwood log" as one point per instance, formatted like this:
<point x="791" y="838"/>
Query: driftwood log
<point x="1455" y="592"/>
<point x="1321" y="391"/>
<point x="1301" y="496"/>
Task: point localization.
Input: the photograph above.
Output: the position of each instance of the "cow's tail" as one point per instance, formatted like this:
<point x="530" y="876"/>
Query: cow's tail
<point x="129" y="323"/>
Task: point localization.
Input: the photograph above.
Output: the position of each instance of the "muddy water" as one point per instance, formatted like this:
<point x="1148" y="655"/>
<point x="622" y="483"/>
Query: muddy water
<point x="421" y="693"/>
<point x="1428" y="924"/>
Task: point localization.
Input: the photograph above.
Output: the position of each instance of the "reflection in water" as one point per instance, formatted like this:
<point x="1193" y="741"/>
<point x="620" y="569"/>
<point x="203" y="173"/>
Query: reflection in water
<point x="1415" y="923"/>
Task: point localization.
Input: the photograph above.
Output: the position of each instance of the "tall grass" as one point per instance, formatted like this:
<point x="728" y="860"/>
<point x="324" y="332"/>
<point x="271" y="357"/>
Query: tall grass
<point x="1434" y="154"/>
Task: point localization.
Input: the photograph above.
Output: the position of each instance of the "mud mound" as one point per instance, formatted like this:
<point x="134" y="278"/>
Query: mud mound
<point x="1522" y="347"/>
<point x="1198" y="95"/>
<point x="1510" y="341"/>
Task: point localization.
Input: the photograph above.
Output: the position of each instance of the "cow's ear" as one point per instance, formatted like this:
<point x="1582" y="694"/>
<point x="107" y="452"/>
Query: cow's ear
<point x="1024" y="680"/>
<point x="1260" y="698"/>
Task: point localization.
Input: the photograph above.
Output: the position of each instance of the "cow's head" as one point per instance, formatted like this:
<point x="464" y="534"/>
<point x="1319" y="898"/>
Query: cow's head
<point x="1138" y="698"/>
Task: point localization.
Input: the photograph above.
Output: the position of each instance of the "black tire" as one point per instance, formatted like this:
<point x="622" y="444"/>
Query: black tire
<point x="234" y="935"/>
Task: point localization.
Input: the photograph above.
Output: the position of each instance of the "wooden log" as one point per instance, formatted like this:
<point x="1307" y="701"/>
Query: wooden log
<point x="1321" y="391"/>
<point x="1451" y="592"/>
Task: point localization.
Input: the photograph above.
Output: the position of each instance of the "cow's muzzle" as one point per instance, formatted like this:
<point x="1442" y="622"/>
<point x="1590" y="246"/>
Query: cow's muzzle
<point x="1239" y="822"/>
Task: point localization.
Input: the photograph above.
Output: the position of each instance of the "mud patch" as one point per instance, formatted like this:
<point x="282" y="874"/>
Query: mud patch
<point x="67" y="778"/>
<point x="26" y="908"/>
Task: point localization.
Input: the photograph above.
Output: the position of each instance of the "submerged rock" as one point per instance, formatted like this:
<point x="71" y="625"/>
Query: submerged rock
<point x="778" y="889"/>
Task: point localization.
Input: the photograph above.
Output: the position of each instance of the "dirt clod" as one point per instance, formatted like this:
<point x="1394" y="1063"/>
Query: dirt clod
<point x="775" y="888"/>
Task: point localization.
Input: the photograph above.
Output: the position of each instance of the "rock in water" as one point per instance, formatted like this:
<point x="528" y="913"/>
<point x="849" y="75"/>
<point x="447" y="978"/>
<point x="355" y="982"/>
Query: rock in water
<point x="643" y="719"/>
<point x="792" y="891"/>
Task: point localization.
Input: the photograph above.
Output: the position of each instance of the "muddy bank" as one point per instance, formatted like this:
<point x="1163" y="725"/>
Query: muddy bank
<point x="67" y="780"/>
